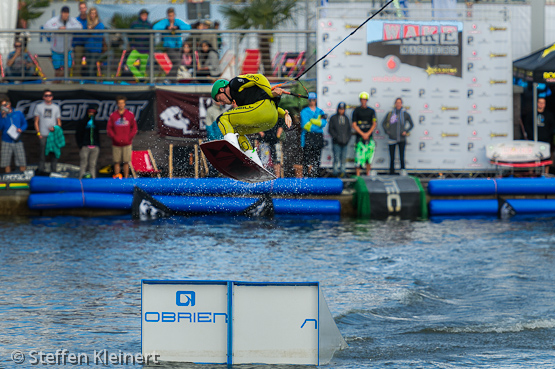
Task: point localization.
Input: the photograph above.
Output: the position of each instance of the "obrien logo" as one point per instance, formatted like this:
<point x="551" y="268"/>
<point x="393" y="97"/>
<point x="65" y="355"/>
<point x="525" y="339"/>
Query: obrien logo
<point x="185" y="298"/>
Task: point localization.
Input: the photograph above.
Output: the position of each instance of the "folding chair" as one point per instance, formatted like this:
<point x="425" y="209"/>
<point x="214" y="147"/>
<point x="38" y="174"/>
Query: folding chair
<point x="142" y="163"/>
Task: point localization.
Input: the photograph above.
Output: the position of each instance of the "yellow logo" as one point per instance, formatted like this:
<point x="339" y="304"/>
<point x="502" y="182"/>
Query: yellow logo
<point x="353" y="53"/>
<point x="548" y="76"/>
<point x="497" y="81"/>
<point x="492" y="135"/>
<point x="351" y="26"/>
<point x="548" y="51"/>
<point x="443" y="134"/>
<point x="495" y="108"/>
<point x="493" y="28"/>
<point x="437" y="70"/>
<point x="353" y="80"/>
<point x="445" y="108"/>
<point x="492" y="55"/>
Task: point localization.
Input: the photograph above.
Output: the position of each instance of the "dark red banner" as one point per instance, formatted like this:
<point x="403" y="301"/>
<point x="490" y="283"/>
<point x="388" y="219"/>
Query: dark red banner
<point x="182" y="114"/>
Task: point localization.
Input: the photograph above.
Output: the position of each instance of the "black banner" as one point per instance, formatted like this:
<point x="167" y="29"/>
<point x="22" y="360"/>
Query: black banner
<point x="74" y="104"/>
<point x="181" y="114"/>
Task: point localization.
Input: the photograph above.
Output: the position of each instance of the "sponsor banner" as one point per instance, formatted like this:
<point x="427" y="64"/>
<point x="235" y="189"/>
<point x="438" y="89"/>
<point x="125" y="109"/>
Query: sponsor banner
<point x="181" y="114"/>
<point x="74" y="104"/>
<point x="454" y="79"/>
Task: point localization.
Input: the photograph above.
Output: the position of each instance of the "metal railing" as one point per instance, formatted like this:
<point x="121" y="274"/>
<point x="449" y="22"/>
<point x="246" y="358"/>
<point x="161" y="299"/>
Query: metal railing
<point x="279" y="55"/>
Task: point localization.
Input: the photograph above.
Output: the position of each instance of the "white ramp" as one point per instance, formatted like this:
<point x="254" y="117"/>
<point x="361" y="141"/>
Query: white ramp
<point x="271" y="323"/>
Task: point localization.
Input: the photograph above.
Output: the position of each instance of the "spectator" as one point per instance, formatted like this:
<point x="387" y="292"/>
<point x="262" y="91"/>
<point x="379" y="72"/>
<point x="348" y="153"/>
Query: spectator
<point x="23" y="36"/>
<point x="546" y="126"/>
<point x="212" y="113"/>
<point x="47" y="116"/>
<point x="12" y="123"/>
<point x="94" y="44"/>
<point x="209" y="61"/>
<point x="141" y="41"/>
<point x="313" y="121"/>
<point x="218" y="35"/>
<point x="79" y="41"/>
<point x="364" y="124"/>
<point x="58" y="48"/>
<point x="88" y="141"/>
<point x="19" y="63"/>
<point x="172" y="42"/>
<point x="121" y="128"/>
<point x="186" y="68"/>
<point x="397" y="124"/>
<point x="272" y="138"/>
<point x="340" y="132"/>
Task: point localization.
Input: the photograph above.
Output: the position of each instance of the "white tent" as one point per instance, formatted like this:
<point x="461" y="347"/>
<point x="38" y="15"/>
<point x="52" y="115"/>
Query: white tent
<point x="8" y="20"/>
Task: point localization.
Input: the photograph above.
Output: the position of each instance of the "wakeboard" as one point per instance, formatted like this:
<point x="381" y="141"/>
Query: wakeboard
<point x="233" y="163"/>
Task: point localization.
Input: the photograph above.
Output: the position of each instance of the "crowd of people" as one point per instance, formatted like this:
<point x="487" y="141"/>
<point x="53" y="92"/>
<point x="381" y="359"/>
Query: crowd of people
<point x="192" y="55"/>
<point x="121" y="129"/>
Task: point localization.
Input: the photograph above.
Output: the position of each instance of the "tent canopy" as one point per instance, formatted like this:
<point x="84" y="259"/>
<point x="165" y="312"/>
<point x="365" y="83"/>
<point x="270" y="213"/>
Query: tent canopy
<point x="537" y="67"/>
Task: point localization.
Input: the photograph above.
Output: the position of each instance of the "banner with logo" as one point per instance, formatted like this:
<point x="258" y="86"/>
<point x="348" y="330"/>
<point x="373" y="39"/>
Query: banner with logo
<point x="74" y="105"/>
<point x="454" y="79"/>
<point x="182" y="114"/>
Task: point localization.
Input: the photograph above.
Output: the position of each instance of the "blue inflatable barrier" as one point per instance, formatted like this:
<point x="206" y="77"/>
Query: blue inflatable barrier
<point x="463" y="207"/>
<point x="532" y="206"/>
<point x="190" y="186"/>
<point x="461" y="187"/>
<point x="186" y="204"/>
<point x="501" y="186"/>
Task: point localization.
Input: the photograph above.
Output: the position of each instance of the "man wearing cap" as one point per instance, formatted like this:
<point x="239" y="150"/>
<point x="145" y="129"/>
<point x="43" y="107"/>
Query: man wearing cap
<point x="140" y="41"/>
<point x="88" y="141"/>
<point x="172" y="40"/>
<point x="340" y="132"/>
<point x="364" y="124"/>
<point x="58" y="47"/>
<point x="257" y="109"/>
<point x="313" y="121"/>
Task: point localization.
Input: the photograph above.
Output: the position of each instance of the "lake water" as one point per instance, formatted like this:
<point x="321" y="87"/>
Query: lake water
<point x="474" y="293"/>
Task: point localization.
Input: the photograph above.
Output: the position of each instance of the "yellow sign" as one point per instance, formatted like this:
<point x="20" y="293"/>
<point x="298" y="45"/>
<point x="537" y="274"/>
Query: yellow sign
<point x="497" y="81"/>
<point x="493" y="28"/>
<point x="445" y="108"/>
<point x="437" y="70"/>
<point x="353" y="53"/>
<point x="492" y="55"/>
<point x="492" y="135"/>
<point x="494" y="108"/>
<point x="353" y="79"/>
<point x="443" y="134"/>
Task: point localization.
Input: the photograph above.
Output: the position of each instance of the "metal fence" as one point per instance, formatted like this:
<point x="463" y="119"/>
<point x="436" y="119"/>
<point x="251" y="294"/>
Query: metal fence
<point x="144" y="56"/>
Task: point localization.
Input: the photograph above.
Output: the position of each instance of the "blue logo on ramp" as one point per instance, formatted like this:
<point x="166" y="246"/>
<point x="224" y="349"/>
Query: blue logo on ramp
<point x="185" y="298"/>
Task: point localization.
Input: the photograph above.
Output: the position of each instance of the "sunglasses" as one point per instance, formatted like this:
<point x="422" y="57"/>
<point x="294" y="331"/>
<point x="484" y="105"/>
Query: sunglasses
<point x="17" y="45"/>
<point x="47" y="95"/>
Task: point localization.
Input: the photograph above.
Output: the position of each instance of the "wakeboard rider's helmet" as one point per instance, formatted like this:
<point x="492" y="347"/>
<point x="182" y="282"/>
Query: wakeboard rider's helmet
<point x="217" y="85"/>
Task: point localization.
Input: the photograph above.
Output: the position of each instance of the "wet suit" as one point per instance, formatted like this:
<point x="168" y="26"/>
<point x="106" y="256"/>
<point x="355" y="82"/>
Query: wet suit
<point x="257" y="110"/>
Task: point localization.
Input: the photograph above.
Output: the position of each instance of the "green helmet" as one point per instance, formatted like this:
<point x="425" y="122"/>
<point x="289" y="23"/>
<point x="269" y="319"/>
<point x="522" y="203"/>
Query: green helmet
<point x="217" y="85"/>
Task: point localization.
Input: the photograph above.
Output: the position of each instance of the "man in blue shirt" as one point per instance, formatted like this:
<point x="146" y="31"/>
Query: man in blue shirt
<point x="172" y="39"/>
<point x="11" y="143"/>
<point x="313" y="121"/>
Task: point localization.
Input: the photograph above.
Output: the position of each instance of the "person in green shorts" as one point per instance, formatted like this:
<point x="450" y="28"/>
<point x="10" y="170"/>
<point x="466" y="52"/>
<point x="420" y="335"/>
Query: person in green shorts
<point x="364" y="124"/>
